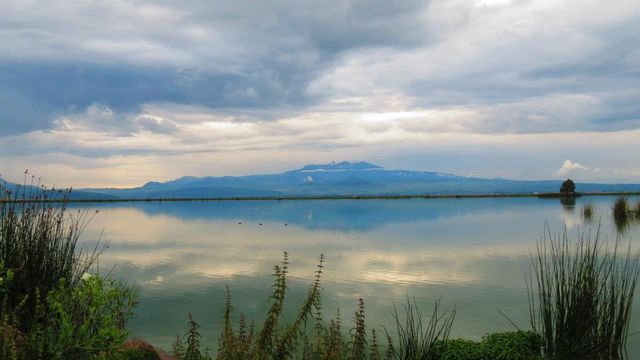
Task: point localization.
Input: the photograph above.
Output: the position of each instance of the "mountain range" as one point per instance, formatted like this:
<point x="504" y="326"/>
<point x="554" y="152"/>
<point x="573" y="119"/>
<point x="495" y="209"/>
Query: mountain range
<point x="343" y="179"/>
<point x="336" y="179"/>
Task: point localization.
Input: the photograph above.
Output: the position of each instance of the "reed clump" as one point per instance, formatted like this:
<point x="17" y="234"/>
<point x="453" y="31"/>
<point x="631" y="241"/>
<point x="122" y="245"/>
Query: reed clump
<point x="621" y="208"/>
<point x="416" y="340"/>
<point x="580" y="297"/>
<point x="625" y="213"/>
<point x="588" y="211"/>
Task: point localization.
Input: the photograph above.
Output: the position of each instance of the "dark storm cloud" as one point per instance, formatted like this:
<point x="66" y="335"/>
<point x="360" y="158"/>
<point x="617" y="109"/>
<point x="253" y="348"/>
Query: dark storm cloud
<point x="239" y="54"/>
<point x="31" y="95"/>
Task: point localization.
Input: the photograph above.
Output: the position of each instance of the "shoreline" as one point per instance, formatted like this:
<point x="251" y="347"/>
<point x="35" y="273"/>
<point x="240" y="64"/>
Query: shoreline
<point x="327" y="197"/>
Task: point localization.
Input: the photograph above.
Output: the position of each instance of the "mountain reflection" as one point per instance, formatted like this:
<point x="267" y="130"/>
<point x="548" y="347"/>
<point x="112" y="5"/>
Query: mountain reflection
<point x="474" y="253"/>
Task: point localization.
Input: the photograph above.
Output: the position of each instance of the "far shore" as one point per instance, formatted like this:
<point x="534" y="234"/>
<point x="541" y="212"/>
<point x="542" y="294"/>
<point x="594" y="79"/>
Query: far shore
<point x="331" y="197"/>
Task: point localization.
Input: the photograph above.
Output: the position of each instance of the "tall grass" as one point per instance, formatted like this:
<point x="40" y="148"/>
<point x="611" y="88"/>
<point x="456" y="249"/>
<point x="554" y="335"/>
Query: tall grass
<point x="620" y="208"/>
<point x="417" y="341"/>
<point x="39" y="243"/>
<point x="588" y="211"/>
<point x="624" y="213"/>
<point x="580" y="297"/>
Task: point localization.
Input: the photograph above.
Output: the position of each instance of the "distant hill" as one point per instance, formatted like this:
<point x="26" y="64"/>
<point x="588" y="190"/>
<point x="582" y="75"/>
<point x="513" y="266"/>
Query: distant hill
<point x="28" y="191"/>
<point x="342" y="178"/>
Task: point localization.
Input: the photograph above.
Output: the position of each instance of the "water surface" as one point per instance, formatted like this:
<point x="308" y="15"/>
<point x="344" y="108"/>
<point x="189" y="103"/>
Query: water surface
<point x="471" y="253"/>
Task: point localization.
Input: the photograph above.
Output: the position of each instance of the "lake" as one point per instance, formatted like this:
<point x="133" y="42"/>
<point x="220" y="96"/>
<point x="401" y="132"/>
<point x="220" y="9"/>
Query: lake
<point x="473" y="254"/>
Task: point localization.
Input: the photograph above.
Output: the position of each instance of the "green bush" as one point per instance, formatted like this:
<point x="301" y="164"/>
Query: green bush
<point x="518" y="345"/>
<point x="82" y="322"/>
<point x="459" y="349"/>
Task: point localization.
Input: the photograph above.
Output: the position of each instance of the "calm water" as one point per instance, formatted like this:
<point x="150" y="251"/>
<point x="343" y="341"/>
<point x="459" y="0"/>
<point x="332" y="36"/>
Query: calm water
<point x="471" y="253"/>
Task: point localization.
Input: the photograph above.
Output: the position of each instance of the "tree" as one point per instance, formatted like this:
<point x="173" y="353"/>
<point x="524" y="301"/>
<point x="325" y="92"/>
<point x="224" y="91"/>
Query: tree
<point x="568" y="187"/>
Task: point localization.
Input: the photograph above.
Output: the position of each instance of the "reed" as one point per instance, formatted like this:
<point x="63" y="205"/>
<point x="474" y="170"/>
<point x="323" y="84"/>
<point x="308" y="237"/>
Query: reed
<point x="621" y="208"/>
<point x="39" y="243"/>
<point x="416" y="341"/>
<point x="580" y="297"/>
<point x="588" y="211"/>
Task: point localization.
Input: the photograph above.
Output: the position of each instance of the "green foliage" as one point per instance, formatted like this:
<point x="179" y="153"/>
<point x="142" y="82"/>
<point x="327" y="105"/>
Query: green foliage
<point x="624" y="213"/>
<point x="38" y="244"/>
<point x="588" y="211"/>
<point x="458" y="349"/>
<point x="568" y="187"/>
<point x="82" y="322"/>
<point x="192" y="343"/>
<point x="581" y="297"/>
<point x="416" y="341"/>
<point x="308" y="336"/>
<point x="519" y="345"/>
<point x="50" y="307"/>
<point x="359" y="333"/>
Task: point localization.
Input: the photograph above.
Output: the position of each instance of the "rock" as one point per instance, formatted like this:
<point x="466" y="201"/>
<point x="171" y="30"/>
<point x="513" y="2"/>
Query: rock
<point x="144" y="350"/>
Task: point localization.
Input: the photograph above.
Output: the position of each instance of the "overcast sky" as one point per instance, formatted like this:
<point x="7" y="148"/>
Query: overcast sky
<point x="118" y="93"/>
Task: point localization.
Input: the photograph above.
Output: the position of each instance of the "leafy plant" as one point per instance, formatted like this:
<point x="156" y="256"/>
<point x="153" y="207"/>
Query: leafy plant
<point x="518" y="345"/>
<point x="38" y="244"/>
<point x="83" y="321"/>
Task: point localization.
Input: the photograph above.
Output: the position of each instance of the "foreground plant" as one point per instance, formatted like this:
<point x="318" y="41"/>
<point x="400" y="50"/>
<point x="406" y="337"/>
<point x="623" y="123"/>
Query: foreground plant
<point x="308" y="336"/>
<point x="580" y="297"/>
<point x="50" y="307"/>
<point x="416" y="341"/>
<point x="625" y="213"/>
<point x="39" y="243"/>
<point x="588" y="211"/>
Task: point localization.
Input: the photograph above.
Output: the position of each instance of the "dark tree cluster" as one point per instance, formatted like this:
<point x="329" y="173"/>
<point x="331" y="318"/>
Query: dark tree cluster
<point x="568" y="187"/>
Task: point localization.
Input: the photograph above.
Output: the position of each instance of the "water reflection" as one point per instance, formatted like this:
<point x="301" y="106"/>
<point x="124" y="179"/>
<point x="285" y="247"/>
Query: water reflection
<point x="569" y="202"/>
<point x="474" y="253"/>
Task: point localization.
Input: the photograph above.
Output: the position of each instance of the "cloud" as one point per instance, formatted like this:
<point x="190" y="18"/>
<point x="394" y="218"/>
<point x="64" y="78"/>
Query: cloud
<point x="226" y="55"/>
<point x="156" y="124"/>
<point x="430" y="83"/>
<point x="569" y="167"/>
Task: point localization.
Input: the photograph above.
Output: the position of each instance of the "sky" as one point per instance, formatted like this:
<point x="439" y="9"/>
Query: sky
<point x="118" y="93"/>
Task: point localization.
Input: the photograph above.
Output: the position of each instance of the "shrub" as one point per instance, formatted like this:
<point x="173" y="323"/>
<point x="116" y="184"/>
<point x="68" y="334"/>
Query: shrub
<point x="518" y="345"/>
<point x="38" y="242"/>
<point x="82" y="322"/>
<point x="458" y="349"/>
